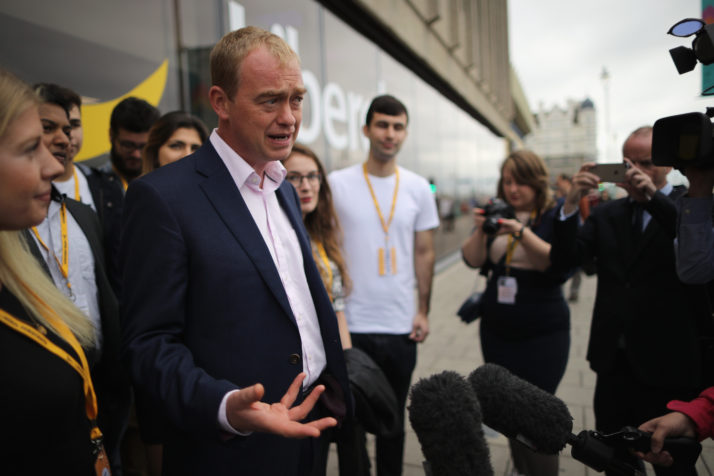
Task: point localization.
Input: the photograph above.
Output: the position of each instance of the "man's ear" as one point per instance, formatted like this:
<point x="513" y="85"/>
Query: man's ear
<point x="219" y="101"/>
<point x="365" y="130"/>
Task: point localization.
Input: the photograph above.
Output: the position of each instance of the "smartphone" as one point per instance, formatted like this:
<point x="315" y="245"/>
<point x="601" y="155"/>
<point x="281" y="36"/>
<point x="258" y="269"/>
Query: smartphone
<point x="610" y="172"/>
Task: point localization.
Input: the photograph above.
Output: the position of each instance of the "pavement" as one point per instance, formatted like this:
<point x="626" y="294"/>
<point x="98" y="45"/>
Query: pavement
<point x="453" y="345"/>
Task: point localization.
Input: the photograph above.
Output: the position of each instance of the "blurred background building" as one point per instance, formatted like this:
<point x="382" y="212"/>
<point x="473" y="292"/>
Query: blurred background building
<point x="566" y="137"/>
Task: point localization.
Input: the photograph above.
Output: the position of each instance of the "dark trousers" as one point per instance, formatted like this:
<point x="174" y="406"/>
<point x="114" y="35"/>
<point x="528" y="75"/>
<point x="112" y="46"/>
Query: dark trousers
<point x="396" y="356"/>
<point x="622" y="400"/>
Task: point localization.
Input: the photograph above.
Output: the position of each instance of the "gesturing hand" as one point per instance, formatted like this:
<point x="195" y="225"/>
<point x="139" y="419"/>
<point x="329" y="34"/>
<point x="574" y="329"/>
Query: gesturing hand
<point x="247" y="413"/>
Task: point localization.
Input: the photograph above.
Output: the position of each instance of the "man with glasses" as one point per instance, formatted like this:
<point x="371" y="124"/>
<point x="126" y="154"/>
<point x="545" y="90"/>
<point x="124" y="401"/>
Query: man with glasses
<point x="128" y="131"/>
<point x="644" y="337"/>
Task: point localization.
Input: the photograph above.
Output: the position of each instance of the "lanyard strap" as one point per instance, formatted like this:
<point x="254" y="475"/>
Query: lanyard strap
<point x="76" y="185"/>
<point x="385" y="225"/>
<point x="81" y="367"/>
<point x="124" y="183"/>
<point x="64" y="263"/>
<point x="326" y="262"/>
<point x="513" y="243"/>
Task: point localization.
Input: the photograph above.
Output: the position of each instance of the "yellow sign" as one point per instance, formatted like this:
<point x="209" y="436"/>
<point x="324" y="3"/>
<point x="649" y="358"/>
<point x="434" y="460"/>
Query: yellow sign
<point x="95" y="117"/>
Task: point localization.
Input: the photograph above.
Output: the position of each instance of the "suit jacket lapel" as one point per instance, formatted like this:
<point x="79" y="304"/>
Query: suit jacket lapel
<point x="221" y="191"/>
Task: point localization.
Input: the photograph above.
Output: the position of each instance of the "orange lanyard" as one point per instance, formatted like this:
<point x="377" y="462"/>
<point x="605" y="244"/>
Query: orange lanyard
<point x="64" y="264"/>
<point x="326" y="262"/>
<point x="385" y="225"/>
<point x="76" y="185"/>
<point x="124" y="183"/>
<point x="82" y="367"/>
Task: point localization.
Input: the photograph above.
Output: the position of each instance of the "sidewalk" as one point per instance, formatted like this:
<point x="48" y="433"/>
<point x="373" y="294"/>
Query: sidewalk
<point x="453" y="345"/>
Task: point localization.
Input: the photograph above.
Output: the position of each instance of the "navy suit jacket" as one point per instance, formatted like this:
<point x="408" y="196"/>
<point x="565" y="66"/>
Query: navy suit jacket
<point x="204" y="312"/>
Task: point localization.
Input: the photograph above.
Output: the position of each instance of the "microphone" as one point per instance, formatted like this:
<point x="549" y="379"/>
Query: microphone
<point x="446" y="417"/>
<point x="541" y="421"/>
<point x="520" y="410"/>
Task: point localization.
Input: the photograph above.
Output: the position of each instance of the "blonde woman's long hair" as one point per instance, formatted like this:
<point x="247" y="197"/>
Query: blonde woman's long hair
<point x="19" y="270"/>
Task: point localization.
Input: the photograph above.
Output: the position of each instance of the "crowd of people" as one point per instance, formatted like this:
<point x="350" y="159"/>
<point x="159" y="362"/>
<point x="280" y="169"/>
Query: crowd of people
<point x="190" y="306"/>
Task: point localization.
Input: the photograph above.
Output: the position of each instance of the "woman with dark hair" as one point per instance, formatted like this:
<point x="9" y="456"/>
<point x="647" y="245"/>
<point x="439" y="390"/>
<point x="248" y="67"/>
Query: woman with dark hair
<point x="525" y="321"/>
<point x="307" y="175"/>
<point x="174" y="136"/>
<point x="49" y="407"/>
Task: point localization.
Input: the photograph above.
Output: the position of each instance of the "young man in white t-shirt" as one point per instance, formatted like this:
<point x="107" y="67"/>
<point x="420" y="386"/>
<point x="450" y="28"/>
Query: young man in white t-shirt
<point x="388" y="215"/>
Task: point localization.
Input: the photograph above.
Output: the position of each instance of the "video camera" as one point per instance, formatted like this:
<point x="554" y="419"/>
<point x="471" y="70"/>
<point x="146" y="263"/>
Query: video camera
<point x="494" y="210"/>
<point x="686" y="139"/>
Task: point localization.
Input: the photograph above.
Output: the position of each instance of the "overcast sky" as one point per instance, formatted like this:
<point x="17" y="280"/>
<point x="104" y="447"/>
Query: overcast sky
<point x="560" y="47"/>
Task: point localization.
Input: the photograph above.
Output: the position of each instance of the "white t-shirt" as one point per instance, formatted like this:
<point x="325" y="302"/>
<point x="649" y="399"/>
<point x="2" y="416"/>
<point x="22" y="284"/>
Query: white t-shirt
<point x="381" y="304"/>
<point x="67" y="188"/>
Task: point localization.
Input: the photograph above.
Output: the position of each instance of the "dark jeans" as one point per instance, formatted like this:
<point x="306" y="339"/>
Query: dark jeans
<point x="396" y="356"/>
<point x="622" y="400"/>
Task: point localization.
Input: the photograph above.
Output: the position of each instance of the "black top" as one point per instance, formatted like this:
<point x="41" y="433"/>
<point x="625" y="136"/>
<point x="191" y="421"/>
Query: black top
<point x="43" y="424"/>
<point x="540" y="307"/>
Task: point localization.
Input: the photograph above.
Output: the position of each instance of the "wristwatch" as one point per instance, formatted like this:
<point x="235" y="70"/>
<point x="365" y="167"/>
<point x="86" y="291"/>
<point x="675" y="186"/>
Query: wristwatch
<point x="519" y="234"/>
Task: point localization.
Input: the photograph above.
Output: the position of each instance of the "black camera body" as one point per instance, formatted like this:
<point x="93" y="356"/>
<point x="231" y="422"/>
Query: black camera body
<point x="494" y="210"/>
<point x="686" y="139"/>
<point x="682" y="140"/>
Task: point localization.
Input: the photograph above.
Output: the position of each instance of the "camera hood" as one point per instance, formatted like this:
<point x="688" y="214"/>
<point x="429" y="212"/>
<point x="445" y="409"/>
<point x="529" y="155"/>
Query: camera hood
<point x="682" y="140"/>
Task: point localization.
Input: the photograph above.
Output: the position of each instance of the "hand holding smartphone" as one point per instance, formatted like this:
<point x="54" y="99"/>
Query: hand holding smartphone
<point x="610" y="172"/>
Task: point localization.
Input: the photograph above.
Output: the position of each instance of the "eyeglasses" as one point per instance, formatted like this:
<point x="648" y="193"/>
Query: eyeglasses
<point x="131" y="146"/>
<point x="313" y="178"/>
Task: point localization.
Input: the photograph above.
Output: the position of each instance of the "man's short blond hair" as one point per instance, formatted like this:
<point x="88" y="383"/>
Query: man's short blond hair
<point x="229" y="53"/>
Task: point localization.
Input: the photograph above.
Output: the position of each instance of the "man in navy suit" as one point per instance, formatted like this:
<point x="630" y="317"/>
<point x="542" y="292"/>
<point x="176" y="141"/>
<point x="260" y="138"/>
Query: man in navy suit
<point x="229" y="333"/>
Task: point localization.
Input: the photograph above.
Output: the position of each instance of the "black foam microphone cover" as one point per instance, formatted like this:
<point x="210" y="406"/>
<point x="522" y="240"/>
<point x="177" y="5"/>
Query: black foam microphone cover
<point x="520" y="410"/>
<point x="445" y="415"/>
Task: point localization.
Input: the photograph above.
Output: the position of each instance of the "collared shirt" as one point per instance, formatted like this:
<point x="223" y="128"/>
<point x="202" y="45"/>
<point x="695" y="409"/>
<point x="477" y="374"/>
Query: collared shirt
<point x="281" y="240"/>
<point x="81" y="264"/>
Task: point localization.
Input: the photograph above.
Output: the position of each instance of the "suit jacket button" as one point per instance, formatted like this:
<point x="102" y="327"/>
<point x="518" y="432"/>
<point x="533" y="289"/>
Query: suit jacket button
<point x="294" y="359"/>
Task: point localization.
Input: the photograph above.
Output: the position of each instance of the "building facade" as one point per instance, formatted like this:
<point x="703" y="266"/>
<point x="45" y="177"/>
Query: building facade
<point x="447" y="60"/>
<point x="565" y="137"/>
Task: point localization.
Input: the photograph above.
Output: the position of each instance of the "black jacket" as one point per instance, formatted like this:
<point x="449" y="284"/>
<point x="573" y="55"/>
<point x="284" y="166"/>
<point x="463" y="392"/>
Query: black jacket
<point x="108" y="195"/>
<point x="640" y="301"/>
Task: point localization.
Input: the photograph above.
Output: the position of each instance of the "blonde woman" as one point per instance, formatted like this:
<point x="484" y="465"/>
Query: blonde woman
<point x="48" y="402"/>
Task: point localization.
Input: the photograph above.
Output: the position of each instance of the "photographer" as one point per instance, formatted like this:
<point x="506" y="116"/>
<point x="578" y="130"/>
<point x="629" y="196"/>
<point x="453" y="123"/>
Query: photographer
<point x="640" y="302"/>
<point x="523" y="312"/>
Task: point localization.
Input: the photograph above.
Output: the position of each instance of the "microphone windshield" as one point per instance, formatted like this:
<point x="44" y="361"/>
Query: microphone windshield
<point x="446" y="417"/>
<point x="520" y="410"/>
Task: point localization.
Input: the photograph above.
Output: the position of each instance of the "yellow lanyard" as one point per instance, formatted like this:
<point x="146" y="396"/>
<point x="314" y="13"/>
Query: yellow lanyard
<point x="64" y="264"/>
<point x="386" y="254"/>
<point x="326" y="262"/>
<point x="124" y="183"/>
<point x="76" y="185"/>
<point x="82" y="367"/>
<point x="385" y="226"/>
<point x="513" y="243"/>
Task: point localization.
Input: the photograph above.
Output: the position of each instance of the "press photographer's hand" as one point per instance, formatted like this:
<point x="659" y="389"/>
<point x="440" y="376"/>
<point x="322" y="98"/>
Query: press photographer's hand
<point x="583" y="182"/>
<point x="638" y="184"/>
<point x="508" y="225"/>
<point x="479" y="218"/>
